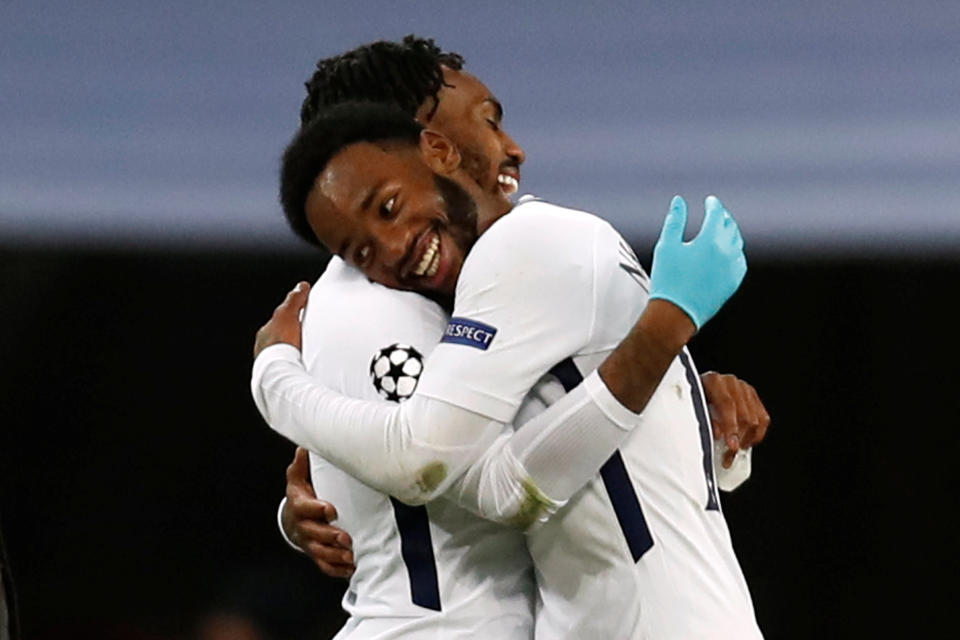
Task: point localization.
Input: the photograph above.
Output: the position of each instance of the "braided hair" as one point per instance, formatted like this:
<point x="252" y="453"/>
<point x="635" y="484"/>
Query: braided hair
<point x="401" y="74"/>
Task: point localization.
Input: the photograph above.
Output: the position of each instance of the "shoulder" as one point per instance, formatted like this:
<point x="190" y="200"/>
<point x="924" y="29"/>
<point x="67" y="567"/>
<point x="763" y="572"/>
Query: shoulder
<point x="344" y="294"/>
<point x="536" y="238"/>
<point x="545" y="221"/>
<point x="349" y="316"/>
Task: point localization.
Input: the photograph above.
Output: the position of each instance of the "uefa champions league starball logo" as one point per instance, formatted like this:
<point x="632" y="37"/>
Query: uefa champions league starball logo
<point x="395" y="371"/>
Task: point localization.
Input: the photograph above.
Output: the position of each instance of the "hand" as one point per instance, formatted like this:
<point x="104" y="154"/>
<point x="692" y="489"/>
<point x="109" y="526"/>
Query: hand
<point x="306" y="521"/>
<point x="284" y="325"/>
<point x="737" y="414"/>
<point x="698" y="276"/>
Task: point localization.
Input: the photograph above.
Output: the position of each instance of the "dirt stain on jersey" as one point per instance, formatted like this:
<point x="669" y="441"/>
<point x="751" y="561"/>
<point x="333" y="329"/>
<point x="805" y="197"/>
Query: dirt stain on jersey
<point x="534" y="505"/>
<point x="431" y="476"/>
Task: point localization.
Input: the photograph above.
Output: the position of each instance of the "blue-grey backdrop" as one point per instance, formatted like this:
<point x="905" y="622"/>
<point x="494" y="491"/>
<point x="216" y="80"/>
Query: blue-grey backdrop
<point x="824" y="125"/>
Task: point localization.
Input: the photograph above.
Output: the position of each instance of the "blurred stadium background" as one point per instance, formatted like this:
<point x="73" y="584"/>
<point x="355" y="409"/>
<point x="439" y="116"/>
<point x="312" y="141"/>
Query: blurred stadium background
<point x="141" y="246"/>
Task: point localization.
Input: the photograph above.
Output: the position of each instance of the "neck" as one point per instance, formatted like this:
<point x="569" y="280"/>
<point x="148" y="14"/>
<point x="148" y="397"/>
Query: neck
<point x="489" y="210"/>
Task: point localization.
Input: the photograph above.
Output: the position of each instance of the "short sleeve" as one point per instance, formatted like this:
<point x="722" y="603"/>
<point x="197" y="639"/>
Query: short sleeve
<point x="525" y="300"/>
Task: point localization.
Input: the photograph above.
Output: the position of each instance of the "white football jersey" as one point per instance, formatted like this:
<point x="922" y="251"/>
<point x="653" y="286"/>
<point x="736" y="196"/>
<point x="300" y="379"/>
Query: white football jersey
<point x="431" y="571"/>
<point x="643" y="550"/>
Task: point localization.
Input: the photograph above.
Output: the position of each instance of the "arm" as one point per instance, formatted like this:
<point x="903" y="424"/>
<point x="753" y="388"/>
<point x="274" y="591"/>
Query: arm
<point x="375" y="442"/>
<point x="528" y="475"/>
<point x="417" y="450"/>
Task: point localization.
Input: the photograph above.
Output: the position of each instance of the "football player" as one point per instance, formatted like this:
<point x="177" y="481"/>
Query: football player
<point x="433" y="87"/>
<point x="545" y="290"/>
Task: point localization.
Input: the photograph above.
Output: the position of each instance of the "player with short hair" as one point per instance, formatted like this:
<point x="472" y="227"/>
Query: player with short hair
<point x="425" y="81"/>
<point x="421" y="571"/>
<point x="392" y="205"/>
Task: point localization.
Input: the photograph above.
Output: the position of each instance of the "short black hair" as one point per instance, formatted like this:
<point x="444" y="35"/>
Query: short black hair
<point x="402" y="74"/>
<point x="329" y="132"/>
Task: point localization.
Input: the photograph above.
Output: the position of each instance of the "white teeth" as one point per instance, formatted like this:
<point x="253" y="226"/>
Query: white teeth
<point x="428" y="258"/>
<point x="508" y="184"/>
<point x="434" y="265"/>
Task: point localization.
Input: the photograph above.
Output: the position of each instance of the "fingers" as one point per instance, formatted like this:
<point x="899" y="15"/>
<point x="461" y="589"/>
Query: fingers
<point x="741" y="267"/>
<point x="718" y="218"/>
<point x="333" y="560"/>
<point x="760" y="418"/>
<point x="322" y="533"/>
<point x="328" y="546"/>
<point x="295" y="301"/>
<point x="284" y="325"/>
<point x="676" y="221"/>
<point x="298" y="472"/>
<point x="728" y="457"/>
<point x="306" y="507"/>
<point x="738" y="238"/>
<point x="329" y="511"/>
<point x="335" y="570"/>
<point x="722" y="405"/>
<point x="737" y="413"/>
<point x="715" y="217"/>
<point x="725" y="418"/>
<point x="749" y="418"/>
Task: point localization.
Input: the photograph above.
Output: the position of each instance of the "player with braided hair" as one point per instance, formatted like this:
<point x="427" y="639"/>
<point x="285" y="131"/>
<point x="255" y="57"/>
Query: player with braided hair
<point x="457" y="104"/>
<point x="429" y="84"/>
<point x="402" y="74"/>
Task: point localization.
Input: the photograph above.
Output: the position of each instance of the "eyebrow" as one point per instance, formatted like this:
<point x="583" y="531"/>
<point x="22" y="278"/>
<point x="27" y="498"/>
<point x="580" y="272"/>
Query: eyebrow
<point x="370" y="195"/>
<point x="496" y="105"/>
<point x="368" y="198"/>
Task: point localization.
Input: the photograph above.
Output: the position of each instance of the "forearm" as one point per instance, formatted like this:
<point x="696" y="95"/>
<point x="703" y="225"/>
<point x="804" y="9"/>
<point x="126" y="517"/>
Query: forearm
<point x="413" y="451"/>
<point x="530" y="474"/>
<point x="634" y="369"/>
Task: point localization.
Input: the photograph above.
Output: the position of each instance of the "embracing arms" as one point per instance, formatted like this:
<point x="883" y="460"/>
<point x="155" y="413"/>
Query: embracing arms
<point x="417" y="450"/>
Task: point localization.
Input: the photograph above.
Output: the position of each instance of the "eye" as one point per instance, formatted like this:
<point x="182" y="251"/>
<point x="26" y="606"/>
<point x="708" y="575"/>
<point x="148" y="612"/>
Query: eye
<point x="362" y="254"/>
<point x="493" y="124"/>
<point x="386" y="209"/>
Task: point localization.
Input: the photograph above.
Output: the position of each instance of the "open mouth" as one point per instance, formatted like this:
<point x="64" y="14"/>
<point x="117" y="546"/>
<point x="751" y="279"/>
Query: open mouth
<point x="424" y="260"/>
<point x="430" y="260"/>
<point x="508" y="182"/>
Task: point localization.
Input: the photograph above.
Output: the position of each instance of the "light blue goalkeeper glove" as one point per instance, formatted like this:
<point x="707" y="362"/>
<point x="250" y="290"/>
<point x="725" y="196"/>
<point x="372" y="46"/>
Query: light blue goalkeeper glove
<point x="698" y="276"/>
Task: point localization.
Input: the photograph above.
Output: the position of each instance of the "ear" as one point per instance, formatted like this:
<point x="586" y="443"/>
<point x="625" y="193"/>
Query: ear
<point x="438" y="152"/>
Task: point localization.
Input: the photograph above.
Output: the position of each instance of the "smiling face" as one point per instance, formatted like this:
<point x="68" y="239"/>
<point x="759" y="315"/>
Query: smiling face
<point x="470" y="116"/>
<point x="401" y="213"/>
<point x="407" y="216"/>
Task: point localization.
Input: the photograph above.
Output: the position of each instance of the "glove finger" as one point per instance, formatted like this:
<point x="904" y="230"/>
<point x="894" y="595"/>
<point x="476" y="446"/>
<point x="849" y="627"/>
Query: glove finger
<point x="738" y="240"/>
<point x="731" y="233"/>
<point x="728" y="220"/>
<point x="740" y="265"/>
<point x="713" y="221"/>
<point x="676" y="221"/>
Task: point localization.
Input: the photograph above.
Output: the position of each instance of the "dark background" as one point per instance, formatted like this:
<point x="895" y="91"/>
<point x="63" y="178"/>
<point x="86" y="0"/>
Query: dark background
<point x="140" y="485"/>
<point x="141" y="245"/>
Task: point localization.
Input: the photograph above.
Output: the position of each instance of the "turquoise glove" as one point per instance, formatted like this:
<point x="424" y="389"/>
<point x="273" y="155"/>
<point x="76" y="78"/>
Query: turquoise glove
<point x="698" y="276"/>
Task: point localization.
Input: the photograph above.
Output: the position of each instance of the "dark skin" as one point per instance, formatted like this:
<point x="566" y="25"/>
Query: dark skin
<point x="378" y="208"/>
<point x="470" y="116"/>
<point x="381" y="209"/>
<point x="307" y="522"/>
<point x="346" y="208"/>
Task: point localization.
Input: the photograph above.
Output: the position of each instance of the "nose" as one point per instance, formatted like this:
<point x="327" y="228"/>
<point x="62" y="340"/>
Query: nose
<point x="513" y="150"/>
<point x="392" y="241"/>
